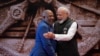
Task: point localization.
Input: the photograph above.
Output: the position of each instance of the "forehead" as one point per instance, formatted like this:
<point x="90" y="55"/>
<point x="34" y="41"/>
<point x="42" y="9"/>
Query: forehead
<point x="50" y="13"/>
<point x="60" y="11"/>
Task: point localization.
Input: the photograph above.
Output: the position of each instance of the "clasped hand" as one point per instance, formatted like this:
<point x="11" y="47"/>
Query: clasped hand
<point x="49" y="35"/>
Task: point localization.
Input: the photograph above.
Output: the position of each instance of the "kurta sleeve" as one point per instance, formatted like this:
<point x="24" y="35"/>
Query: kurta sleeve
<point x="46" y="42"/>
<point x="67" y="37"/>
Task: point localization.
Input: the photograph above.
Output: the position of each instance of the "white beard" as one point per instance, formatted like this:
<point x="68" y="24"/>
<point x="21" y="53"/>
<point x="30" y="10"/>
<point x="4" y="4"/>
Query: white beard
<point x="61" y="21"/>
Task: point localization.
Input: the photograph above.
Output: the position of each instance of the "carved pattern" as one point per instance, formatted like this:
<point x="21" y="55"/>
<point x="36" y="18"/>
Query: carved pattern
<point x="89" y="41"/>
<point x="6" y="23"/>
<point x="4" y="52"/>
<point x="7" y="2"/>
<point x="16" y="12"/>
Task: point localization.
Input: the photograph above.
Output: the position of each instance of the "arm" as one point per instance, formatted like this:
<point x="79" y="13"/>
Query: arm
<point x="46" y="42"/>
<point x="67" y="37"/>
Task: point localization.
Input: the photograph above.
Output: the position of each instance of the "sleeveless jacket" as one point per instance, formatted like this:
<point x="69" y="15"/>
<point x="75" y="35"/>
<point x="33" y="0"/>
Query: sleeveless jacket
<point x="66" y="48"/>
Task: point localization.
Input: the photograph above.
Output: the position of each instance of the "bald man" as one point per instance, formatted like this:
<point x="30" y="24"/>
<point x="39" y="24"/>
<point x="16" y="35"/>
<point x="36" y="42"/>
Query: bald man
<point x="65" y="33"/>
<point x="44" y="46"/>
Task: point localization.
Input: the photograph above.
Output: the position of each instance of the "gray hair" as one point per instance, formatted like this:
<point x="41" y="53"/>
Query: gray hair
<point x="45" y="14"/>
<point x="65" y="9"/>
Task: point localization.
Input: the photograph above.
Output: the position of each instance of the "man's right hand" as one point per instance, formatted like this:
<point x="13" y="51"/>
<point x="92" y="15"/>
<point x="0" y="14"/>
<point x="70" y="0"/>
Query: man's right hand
<point x="49" y="35"/>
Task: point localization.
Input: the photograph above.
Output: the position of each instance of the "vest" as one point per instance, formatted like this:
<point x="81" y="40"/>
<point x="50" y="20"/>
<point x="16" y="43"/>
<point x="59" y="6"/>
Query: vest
<point x="66" y="48"/>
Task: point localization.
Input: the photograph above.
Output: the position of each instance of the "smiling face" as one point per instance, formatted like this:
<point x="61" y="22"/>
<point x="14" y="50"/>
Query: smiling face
<point x="62" y="14"/>
<point x="50" y="17"/>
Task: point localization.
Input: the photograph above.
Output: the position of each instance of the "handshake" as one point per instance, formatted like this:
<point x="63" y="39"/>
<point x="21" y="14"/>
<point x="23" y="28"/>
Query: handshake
<point x="49" y="35"/>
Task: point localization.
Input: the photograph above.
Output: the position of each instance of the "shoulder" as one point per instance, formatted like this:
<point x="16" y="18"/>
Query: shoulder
<point x="74" y="23"/>
<point x="42" y="25"/>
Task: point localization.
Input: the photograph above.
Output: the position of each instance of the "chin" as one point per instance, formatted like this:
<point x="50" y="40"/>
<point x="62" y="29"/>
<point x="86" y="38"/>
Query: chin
<point x="59" y="19"/>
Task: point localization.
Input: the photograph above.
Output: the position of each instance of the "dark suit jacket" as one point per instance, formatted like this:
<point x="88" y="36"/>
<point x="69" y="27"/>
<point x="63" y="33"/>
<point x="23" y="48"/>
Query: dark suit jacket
<point x="43" y="46"/>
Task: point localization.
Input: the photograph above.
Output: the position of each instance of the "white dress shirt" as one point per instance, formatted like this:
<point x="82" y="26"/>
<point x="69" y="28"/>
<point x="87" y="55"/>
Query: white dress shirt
<point x="67" y="37"/>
